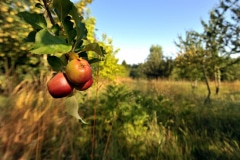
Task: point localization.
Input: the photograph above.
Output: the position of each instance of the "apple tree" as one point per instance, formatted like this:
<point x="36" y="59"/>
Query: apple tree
<point x="59" y="31"/>
<point x="209" y="52"/>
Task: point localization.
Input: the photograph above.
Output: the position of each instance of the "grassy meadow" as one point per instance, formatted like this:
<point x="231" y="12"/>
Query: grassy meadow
<point x="135" y="120"/>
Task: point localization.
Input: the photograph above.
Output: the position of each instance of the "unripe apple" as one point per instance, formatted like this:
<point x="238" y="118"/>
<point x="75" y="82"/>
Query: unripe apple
<point x="78" y="71"/>
<point x="84" y="86"/>
<point x="58" y="86"/>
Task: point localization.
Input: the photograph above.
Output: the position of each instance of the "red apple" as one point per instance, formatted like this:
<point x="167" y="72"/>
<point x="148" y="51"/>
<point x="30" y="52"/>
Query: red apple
<point x="84" y="86"/>
<point x="58" y="86"/>
<point x="78" y="71"/>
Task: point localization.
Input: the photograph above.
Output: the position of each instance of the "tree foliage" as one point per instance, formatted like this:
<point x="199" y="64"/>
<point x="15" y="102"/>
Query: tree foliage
<point x="137" y="71"/>
<point x="190" y="56"/>
<point x="222" y="31"/>
<point x="156" y="65"/>
<point x="15" y="60"/>
<point x="109" y="67"/>
<point x="209" y="52"/>
<point x="153" y="62"/>
<point x="220" y="37"/>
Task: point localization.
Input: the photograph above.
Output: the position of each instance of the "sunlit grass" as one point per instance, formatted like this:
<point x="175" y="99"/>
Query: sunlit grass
<point x="183" y="90"/>
<point x="157" y="119"/>
<point x="33" y="120"/>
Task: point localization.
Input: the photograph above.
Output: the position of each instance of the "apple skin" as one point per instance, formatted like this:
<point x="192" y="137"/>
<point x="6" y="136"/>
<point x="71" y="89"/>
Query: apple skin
<point x="58" y="86"/>
<point x="84" y="86"/>
<point x="78" y="71"/>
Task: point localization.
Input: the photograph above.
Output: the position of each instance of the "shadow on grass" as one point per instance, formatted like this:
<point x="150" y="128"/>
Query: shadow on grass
<point x="130" y="125"/>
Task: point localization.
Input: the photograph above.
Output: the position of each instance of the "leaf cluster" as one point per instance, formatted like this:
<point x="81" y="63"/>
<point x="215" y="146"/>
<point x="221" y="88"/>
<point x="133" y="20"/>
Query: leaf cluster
<point x="59" y="31"/>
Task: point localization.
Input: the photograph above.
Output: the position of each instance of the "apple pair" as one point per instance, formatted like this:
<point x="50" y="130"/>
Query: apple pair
<point x="78" y="75"/>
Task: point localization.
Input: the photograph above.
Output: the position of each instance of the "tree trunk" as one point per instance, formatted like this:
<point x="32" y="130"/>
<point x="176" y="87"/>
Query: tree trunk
<point x="217" y="77"/>
<point x="207" y="100"/>
<point x="194" y="85"/>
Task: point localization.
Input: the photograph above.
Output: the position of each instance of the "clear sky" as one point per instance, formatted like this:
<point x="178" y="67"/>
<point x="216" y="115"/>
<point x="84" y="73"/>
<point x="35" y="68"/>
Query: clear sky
<point x="135" y="25"/>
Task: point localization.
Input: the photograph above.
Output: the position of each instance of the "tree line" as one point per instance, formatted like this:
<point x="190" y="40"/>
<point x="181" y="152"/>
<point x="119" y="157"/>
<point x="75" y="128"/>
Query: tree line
<point x="200" y="56"/>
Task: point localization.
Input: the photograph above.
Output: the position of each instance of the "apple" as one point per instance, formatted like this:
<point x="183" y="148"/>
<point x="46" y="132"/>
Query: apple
<point x="58" y="86"/>
<point x="84" y="86"/>
<point x="78" y="71"/>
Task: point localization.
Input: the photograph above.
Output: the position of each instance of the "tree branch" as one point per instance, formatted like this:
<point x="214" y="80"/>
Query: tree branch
<point x="48" y="12"/>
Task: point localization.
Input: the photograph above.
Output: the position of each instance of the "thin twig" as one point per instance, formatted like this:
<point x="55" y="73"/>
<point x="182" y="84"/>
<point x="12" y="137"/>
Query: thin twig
<point x="95" y="113"/>
<point x="93" y="136"/>
<point x="48" y="12"/>
<point x="107" y="143"/>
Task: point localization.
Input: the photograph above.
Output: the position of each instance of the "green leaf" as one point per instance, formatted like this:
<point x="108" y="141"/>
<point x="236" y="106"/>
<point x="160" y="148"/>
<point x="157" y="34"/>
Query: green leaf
<point x="62" y="7"/>
<point x="36" y="20"/>
<point x="46" y="43"/>
<point x="64" y="59"/>
<point x="39" y="5"/>
<point x="52" y="49"/>
<point x="72" y="108"/>
<point x="68" y="27"/>
<point x="94" y="60"/>
<point x="31" y="36"/>
<point x="56" y="29"/>
<point x="78" y="46"/>
<point x="93" y="47"/>
<point x="84" y="55"/>
<point x="55" y="63"/>
<point x="80" y="25"/>
<point x="44" y="37"/>
<point x="103" y="51"/>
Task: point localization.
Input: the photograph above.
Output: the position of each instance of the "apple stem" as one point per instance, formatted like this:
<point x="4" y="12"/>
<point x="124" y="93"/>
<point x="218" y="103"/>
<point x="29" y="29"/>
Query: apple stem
<point x="72" y="55"/>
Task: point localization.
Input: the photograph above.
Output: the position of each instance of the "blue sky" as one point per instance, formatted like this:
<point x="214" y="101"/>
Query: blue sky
<point x="135" y="25"/>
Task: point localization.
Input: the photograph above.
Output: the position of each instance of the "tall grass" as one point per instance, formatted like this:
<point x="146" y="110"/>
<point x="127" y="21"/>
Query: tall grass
<point x="35" y="125"/>
<point x="136" y="119"/>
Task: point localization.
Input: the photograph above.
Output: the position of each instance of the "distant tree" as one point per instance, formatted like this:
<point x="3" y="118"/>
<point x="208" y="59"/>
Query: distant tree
<point x="124" y="63"/>
<point x="232" y="72"/>
<point x="209" y="51"/>
<point x="137" y="71"/>
<point x="154" y="59"/>
<point x="156" y="65"/>
<point x="221" y="36"/>
<point x="190" y="56"/>
<point x="193" y="59"/>
<point x="167" y="67"/>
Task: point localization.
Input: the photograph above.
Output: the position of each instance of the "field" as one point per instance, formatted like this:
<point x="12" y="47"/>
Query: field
<point x="135" y="119"/>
